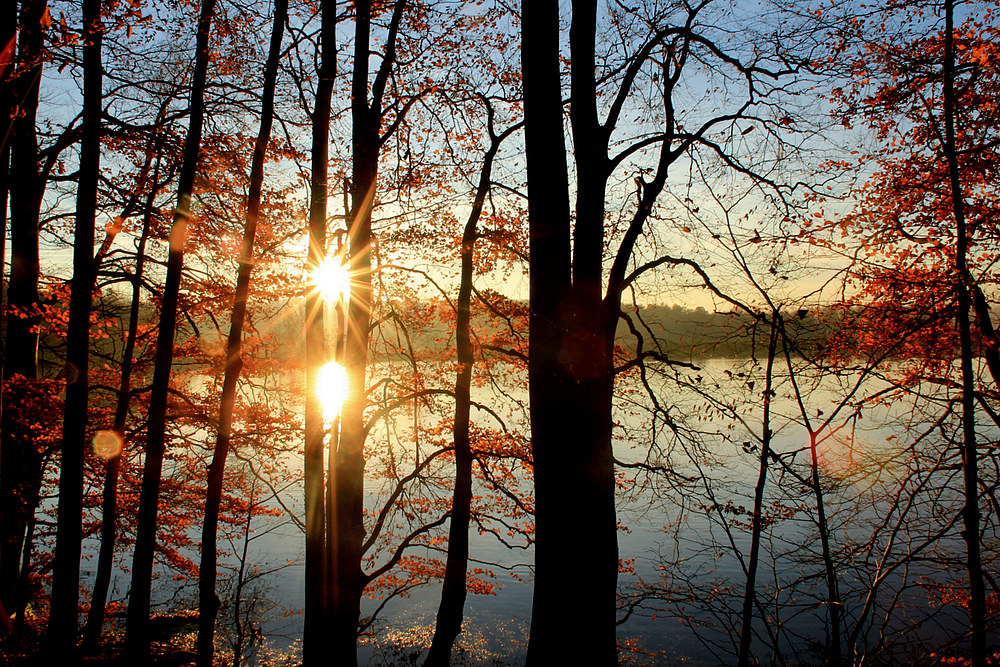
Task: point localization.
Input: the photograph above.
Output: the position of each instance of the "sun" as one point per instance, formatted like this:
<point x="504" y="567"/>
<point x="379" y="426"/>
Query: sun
<point x="331" y="389"/>
<point x="332" y="279"/>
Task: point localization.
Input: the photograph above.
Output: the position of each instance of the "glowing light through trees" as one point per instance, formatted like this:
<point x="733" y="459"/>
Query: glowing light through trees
<point x="331" y="389"/>
<point x="332" y="279"/>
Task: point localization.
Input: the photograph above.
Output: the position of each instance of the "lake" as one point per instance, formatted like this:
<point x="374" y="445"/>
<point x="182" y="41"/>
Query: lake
<point x="890" y="488"/>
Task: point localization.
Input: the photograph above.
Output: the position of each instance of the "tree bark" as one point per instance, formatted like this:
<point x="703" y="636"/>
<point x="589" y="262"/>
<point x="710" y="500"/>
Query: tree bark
<point x="109" y="496"/>
<point x="757" y="525"/>
<point x="963" y="281"/>
<point x="314" y="638"/>
<point x="569" y="369"/>
<point x="8" y="41"/>
<point x="453" y="593"/>
<point x="348" y="580"/>
<point x="137" y="619"/>
<point x="208" y="607"/>
<point x="19" y="469"/>
<point x="66" y="569"/>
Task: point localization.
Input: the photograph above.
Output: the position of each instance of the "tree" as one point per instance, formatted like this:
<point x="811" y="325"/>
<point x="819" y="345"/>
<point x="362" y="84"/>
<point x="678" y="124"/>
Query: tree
<point x="927" y="214"/>
<point x="137" y="636"/>
<point x="66" y="575"/>
<point x="20" y="471"/>
<point x="449" y="617"/>
<point x="572" y="331"/>
<point x="147" y="185"/>
<point x="367" y="112"/>
<point x="208" y="601"/>
<point x="317" y="586"/>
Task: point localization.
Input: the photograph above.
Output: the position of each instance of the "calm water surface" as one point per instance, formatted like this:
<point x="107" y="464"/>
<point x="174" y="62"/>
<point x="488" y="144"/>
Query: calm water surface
<point x="669" y="535"/>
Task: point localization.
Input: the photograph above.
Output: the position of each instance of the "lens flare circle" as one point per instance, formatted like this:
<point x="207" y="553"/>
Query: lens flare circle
<point x="107" y="444"/>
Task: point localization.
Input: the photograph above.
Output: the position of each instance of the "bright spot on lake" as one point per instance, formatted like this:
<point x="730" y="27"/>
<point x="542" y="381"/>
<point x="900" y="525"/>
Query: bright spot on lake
<point x="331" y="389"/>
<point x="107" y="444"/>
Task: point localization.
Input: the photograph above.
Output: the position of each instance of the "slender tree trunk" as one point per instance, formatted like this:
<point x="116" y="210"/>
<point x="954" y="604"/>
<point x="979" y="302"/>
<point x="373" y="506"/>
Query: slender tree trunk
<point x="963" y="281"/>
<point x="453" y="592"/>
<point x="24" y="576"/>
<point x="832" y="586"/>
<point x="208" y="600"/>
<point x="348" y="579"/>
<point x="337" y="345"/>
<point x="834" y="605"/>
<point x="137" y="619"/>
<point x="348" y="475"/>
<point x="66" y="570"/>
<point x="19" y="468"/>
<point x="109" y="498"/>
<point x="569" y="369"/>
<point x="757" y="524"/>
<point x="241" y="580"/>
<point x="8" y="40"/>
<point x="315" y="636"/>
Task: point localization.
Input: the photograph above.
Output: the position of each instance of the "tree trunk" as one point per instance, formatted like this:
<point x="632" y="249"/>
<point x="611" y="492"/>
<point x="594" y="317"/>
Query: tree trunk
<point x="347" y="582"/>
<point x="24" y="576"/>
<point x="208" y="600"/>
<point x="569" y="369"/>
<point x="757" y="526"/>
<point x="109" y="499"/>
<point x="137" y="619"/>
<point x="314" y="638"/>
<point x="8" y="40"/>
<point x="66" y="569"/>
<point x="453" y="592"/>
<point x="8" y="37"/>
<point x="19" y="464"/>
<point x="963" y="281"/>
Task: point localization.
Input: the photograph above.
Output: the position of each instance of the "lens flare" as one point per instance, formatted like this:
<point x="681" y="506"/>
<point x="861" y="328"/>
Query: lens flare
<point x="331" y="279"/>
<point x="107" y="444"/>
<point x="331" y="389"/>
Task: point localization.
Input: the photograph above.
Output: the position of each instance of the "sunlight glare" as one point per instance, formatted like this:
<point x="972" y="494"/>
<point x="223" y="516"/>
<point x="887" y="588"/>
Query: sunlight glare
<point x="332" y="280"/>
<point x="331" y="389"/>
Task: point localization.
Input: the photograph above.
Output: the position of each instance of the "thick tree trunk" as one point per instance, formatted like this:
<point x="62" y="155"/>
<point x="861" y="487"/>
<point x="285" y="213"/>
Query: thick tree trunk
<point x="963" y="281"/>
<point x="19" y="469"/>
<point x="137" y="619"/>
<point x="348" y="580"/>
<point x="8" y="25"/>
<point x="208" y="600"/>
<point x="569" y="369"/>
<point x="8" y="40"/>
<point x="315" y="640"/>
<point x="66" y="569"/>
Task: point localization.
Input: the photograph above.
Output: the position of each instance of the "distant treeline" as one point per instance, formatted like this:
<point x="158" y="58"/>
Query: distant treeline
<point x="426" y="329"/>
<point x="686" y="333"/>
<point x="680" y="332"/>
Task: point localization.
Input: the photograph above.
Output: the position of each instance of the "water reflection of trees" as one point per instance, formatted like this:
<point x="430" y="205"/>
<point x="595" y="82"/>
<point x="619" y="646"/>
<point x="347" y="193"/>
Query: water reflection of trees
<point x="887" y="472"/>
